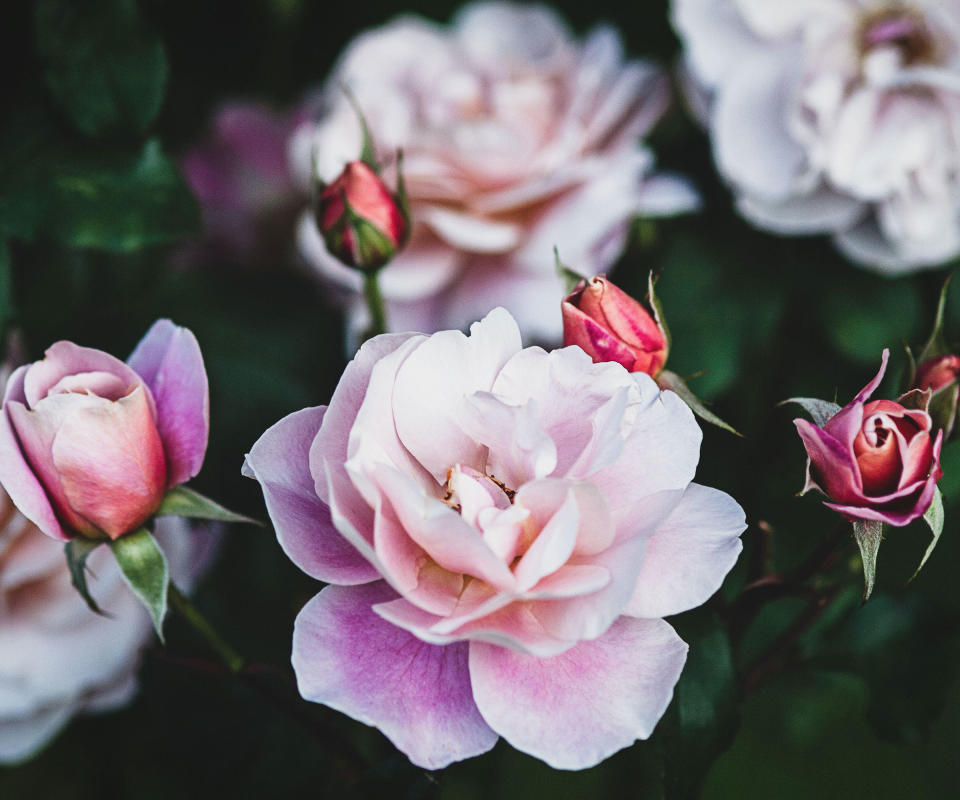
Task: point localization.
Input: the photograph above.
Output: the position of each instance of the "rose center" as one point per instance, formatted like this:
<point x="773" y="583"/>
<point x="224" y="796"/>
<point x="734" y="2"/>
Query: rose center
<point x="901" y="30"/>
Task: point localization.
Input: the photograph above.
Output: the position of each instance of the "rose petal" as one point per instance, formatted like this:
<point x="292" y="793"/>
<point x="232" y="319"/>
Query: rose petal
<point x="417" y="694"/>
<point x="579" y="707"/>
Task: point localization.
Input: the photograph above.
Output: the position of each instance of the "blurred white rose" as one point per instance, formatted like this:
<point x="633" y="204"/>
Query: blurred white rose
<point x="58" y="658"/>
<point x="516" y="137"/>
<point x="836" y="116"/>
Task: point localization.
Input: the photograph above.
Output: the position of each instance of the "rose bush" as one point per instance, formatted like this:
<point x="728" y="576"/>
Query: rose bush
<point x="516" y="138"/>
<point x="89" y="445"/>
<point x="836" y="116"/>
<point x="875" y="459"/>
<point x="57" y="658"/>
<point x="503" y="529"/>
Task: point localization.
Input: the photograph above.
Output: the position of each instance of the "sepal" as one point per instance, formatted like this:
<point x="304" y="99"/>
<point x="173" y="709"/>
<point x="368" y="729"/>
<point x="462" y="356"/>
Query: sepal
<point x="184" y="502"/>
<point x="144" y="569"/>
<point x="77" y="551"/>
<point x="937" y="345"/>
<point x="820" y="411"/>
<point x="934" y="517"/>
<point x="869" y="534"/>
<point x="670" y="380"/>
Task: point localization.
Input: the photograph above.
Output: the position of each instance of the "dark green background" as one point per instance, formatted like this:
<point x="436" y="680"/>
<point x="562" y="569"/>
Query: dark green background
<point x="89" y="206"/>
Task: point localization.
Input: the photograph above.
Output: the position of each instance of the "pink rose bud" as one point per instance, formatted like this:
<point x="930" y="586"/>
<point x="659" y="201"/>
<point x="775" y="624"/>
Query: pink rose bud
<point x="89" y="445"/>
<point x="937" y="373"/>
<point x="875" y="460"/>
<point x="363" y="223"/>
<point x="609" y="325"/>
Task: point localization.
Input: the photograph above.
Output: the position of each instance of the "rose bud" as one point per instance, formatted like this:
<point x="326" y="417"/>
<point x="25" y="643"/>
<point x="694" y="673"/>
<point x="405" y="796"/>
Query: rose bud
<point x="363" y="223"/>
<point x="89" y="445"/>
<point x="609" y="325"/>
<point x="937" y="373"/>
<point x="875" y="460"/>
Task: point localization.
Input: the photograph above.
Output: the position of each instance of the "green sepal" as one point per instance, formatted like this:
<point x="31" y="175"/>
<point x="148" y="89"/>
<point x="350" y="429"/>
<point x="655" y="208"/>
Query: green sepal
<point x="571" y="280"/>
<point x="820" y="411"/>
<point x="77" y="551"/>
<point x="403" y="202"/>
<point x="934" y="517"/>
<point x="144" y="569"/>
<point x="368" y="154"/>
<point x="869" y="534"/>
<point x="184" y="502"/>
<point x="670" y="380"/>
<point x="659" y="317"/>
<point x="937" y="344"/>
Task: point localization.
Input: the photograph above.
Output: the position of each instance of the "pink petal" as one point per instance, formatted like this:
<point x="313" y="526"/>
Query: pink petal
<point x="111" y="464"/>
<point x="168" y="359"/>
<point x="16" y="476"/>
<point x="436" y="377"/>
<point x="279" y="461"/>
<point x="417" y="694"/>
<point x="65" y="358"/>
<point x="579" y="707"/>
<point x="689" y="554"/>
<point x="837" y="475"/>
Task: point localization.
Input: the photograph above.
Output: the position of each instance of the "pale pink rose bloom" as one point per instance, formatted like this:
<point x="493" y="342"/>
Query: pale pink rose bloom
<point x="58" y="658"/>
<point x="90" y="444"/>
<point x="835" y="116"/>
<point x="503" y="530"/>
<point x="517" y="137"/>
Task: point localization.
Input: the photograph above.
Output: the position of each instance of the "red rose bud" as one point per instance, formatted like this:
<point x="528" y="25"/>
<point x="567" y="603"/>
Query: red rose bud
<point x="876" y="460"/>
<point x="937" y="373"/>
<point x="362" y="222"/>
<point x="609" y="325"/>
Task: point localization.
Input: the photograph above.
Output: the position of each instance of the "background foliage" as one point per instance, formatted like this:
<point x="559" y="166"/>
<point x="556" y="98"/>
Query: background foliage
<point x="110" y="91"/>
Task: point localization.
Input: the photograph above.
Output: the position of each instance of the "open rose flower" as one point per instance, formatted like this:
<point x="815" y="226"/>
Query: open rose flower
<point x="874" y="459"/>
<point x="517" y="138"/>
<point x="58" y="658"/>
<point x="836" y="116"/>
<point x="89" y="445"/>
<point x="503" y="529"/>
<point x="241" y="176"/>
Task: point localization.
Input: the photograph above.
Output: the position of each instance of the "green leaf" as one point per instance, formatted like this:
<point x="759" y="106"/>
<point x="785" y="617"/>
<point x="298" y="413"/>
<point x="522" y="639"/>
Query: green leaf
<point x="673" y="382"/>
<point x="144" y="568"/>
<point x="183" y="502"/>
<point x="869" y="534"/>
<point x="104" y="67"/>
<point x="820" y="411"/>
<point x="937" y="344"/>
<point x="704" y="716"/>
<point x="77" y="551"/>
<point x="934" y="517"/>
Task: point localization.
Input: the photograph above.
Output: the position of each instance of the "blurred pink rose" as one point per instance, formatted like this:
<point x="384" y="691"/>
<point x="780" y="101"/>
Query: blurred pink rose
<point x="874" y="460"/>
<point x="58" y="658"/>
<point x="937" y="373"/>
<point x="241" y="177"/>
<point x="359" y="193"/>
<point x="89" y="445"/>
<point x="504" y="530"/>
<point x="836" y="116"/>
<point x="609" y="325"/>
<point x="516" y="138"/>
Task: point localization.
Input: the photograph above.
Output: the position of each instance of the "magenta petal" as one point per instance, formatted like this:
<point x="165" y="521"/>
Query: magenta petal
<point x="577" y="708"/>
<point x="66" y="358"/>
<point x="280" y="462"/>
<point x="871" y="387"/>
<point x="15" y="474"/>
<point x="837" y="476"/>
<point x="417" y="694"/>
<point x="169" y="361"/>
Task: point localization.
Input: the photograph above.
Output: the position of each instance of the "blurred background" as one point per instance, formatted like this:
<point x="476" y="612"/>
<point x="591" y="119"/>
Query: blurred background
<point x="93" y="212"/>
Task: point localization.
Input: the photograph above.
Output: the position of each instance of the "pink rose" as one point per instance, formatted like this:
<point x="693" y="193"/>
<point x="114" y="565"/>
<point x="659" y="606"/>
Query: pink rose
<point x="609" y="325"/>
<point x="89" y="445"/>
<point x="57" y="658"/>
<point x="517" y="137"/>
<point x="363" y="223"/>
<point x="937" y="373"/>
<point x="241" y="177"/>
<point x="503" y="529"/>
<point x="874" y="460"/>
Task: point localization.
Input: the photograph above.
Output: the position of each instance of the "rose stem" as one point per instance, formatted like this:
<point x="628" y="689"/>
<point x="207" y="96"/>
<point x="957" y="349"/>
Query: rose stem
<point x="231" y="659"/>
<point x="371" y="293"/>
